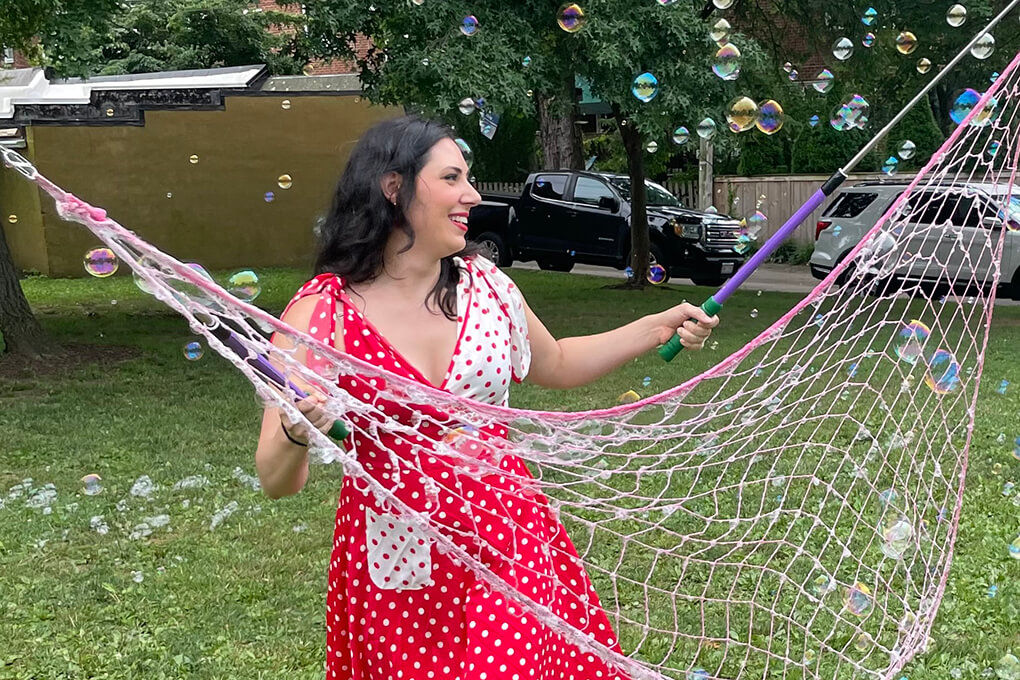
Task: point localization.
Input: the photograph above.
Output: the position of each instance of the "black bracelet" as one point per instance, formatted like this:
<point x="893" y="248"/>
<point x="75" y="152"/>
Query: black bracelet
<point x="287" y="434"/>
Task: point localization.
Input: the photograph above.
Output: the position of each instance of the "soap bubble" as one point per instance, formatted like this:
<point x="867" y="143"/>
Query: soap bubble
<point x="990" y="152"/>
<point x="754" y="313"/>
<point x="285" y="104"/>
<point x="645" y="87"/>
<point x="965" y="102"/>
<point x="571" y="17"/>
<point x="720" y="32"/>
<point x="706" y="128"/>
<point x="823" y="81"/>
<point x="469" y="156"/>
<point x="466" y="106"/>
<point x="12" y="218"/>
<point x="755" y="223"/>
<point x="857" y="600"/>
<point x="869" y="16"/>
<point x="943" y="374"/>
<point x="863" y="642"/>
<point x="770" y="117"/>
<point x="821" y="585"/>
<point x="681" y="135"/>
<point x="890" y="165"/>
<point x="269" y="197"/>
<point x="526" y="62"/>
<point x="907" y="149"/>
<point x="93" y="484"/>
<point x="787" y="67"/>
<point x="868" y="40"/>
<point x="727" y="62"/>
<point x="741" y="114"/>
<point x="469" y="25"/>
<point x="656" y="274"/>
<point x="910" y="341"/>
<point x="722" y="4"/>
<point x="984" y="47"/>
<point x="244" y="285"/>
<point x="193" y="159"/>
<point x="897" y="536"/>
<point x="923" y="65"/>
<point x="956" y="15"/>
<point x="813" y="120"/>
<point x="652" y="146"/>
<point x="843" y="48"/>
<point x="1014" y="548"/>
<point x="284" y="181"/>
<point x="101" y="262"/>
<point x="628" y="397"/>
<point x="906" y="42"/>
<point x="193" y="351"/>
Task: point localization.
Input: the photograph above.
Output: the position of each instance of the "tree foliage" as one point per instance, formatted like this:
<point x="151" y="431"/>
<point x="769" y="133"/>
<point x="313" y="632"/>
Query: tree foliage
<point x="157" y="35"/>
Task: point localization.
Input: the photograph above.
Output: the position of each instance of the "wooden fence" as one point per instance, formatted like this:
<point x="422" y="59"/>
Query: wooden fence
<point x="740" y="196"/>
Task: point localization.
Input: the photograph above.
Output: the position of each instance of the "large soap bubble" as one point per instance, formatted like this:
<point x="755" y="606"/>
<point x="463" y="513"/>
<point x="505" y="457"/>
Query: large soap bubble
<point x="741" y="114"/>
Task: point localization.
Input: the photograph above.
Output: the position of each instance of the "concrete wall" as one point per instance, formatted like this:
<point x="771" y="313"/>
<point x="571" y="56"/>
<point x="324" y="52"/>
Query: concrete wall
<point x="213" y="211"/>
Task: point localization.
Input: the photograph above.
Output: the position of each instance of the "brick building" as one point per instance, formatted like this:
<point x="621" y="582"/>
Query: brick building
<point x="318" y="67"/>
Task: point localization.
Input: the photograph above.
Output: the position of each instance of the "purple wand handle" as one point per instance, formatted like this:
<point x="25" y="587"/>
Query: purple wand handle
<point x="770" y="246"/>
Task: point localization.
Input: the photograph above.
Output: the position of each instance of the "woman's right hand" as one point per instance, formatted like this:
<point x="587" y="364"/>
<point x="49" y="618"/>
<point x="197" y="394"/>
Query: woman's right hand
<point x="311" y="408"/>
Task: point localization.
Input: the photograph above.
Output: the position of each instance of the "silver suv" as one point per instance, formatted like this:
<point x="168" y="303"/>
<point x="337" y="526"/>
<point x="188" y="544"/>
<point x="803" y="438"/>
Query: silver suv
<point x="953" y="227"/>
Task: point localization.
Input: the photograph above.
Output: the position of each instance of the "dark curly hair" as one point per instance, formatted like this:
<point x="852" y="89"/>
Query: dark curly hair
<point x="353" y="235"/>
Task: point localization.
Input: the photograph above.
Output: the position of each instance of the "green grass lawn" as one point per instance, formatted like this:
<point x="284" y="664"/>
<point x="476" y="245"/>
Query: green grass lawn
<point x="247" y="599"/>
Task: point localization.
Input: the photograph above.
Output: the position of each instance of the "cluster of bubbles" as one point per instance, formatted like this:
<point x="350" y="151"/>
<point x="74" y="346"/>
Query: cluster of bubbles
<point x="743" y="114"/>
<point x="942" y="370"/>
<point x="851" y="115"/>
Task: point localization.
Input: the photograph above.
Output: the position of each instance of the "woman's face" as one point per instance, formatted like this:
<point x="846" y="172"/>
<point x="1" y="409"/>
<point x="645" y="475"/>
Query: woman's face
<point x="443" y="197"/>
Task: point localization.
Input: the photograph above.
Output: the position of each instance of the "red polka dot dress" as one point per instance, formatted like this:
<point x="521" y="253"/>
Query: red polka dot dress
<point x="399" y="605"/>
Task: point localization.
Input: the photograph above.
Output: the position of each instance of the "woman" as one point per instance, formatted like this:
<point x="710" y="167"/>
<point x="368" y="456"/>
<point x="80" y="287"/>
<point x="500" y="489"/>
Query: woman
<point x="399" y="285"/>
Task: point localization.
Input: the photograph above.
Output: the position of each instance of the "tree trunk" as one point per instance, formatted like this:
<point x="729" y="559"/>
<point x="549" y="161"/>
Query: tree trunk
<point x="560" y="138"/>
<point x="21" y="333"/>
<point x="639" y="239"/>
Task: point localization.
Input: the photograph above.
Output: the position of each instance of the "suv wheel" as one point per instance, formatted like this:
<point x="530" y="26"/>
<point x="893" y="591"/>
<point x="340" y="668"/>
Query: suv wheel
<point x="494" y="249"/>
<point x="555" y="264"/>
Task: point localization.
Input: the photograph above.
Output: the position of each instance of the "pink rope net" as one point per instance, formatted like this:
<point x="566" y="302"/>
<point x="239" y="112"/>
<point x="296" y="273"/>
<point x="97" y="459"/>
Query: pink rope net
<point x="792" y="512"/>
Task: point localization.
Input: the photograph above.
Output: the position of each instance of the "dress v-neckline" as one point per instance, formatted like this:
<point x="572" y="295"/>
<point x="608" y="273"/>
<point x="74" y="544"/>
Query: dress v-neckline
<point x="463" y="305"/>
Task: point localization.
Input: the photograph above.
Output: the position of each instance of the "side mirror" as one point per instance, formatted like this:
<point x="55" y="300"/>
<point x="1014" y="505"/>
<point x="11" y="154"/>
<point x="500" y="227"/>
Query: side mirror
<point x="609" y="203"/>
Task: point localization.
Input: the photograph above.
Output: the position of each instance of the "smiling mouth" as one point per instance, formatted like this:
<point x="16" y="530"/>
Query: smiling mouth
<point x="460" y="222"/>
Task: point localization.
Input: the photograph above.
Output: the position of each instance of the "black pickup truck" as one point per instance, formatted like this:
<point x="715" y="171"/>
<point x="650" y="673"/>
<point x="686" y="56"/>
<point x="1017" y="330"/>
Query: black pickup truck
<point x="566" y="216"/>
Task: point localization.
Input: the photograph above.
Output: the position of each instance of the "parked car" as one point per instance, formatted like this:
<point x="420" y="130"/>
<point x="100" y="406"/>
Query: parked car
<point x="563" y="217"/>
<point x="953" y="228"/>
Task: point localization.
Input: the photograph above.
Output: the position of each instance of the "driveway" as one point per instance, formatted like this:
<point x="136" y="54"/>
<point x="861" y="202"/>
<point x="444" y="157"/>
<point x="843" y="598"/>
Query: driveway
<point x="776" y="278"/>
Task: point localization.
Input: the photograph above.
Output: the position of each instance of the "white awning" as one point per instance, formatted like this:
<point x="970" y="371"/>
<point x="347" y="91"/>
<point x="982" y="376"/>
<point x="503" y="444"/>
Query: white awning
<point x="30" y="86"/>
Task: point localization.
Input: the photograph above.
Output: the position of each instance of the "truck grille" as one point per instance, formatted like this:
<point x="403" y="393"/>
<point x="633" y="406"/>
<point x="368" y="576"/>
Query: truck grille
<point x="722" y="234"/>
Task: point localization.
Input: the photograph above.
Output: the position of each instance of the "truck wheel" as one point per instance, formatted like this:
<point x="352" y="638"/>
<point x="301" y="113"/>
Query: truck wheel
<point x="1014" y="286"/>
<point x="494" y="249"/>
<point x="555" y="265"/>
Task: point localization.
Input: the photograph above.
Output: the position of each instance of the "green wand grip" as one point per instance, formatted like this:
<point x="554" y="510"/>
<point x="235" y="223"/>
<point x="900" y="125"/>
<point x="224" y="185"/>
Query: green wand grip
<point x="669" y="351"/>
<point x="339" y="431"/>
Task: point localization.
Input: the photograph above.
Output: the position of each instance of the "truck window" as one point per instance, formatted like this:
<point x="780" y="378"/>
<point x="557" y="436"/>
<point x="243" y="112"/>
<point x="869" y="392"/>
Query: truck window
<point x="589" y="191"/>
<point x="850" y="205"/>
<point x="549" y="186"/>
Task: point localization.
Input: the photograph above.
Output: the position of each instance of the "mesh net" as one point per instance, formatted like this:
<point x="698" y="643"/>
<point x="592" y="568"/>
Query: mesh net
<point x="790" y="512"/>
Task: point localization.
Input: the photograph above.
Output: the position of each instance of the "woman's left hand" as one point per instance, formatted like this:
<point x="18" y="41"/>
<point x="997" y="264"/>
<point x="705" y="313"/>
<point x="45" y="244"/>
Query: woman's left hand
<point x="691" y="323"/>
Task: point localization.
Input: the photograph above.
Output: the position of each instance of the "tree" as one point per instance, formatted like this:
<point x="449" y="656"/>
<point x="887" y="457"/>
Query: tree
<point x="886" y="77"/>
<point x="168" y="35"/>
<point x="520" y="61"/>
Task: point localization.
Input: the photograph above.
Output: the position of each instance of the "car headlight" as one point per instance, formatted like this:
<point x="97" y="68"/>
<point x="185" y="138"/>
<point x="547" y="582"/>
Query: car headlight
<point x="688" y="231"/>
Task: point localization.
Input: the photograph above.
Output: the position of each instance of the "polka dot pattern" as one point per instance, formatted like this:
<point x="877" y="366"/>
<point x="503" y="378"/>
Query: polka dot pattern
<point x="399" y="604"/>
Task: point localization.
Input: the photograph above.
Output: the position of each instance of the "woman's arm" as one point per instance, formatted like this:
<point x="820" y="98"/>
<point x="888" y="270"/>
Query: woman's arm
<point x="572" y="362"/>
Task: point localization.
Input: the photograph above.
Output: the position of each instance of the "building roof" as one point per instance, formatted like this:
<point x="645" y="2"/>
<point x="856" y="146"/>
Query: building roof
<point x="30" y="86"/>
